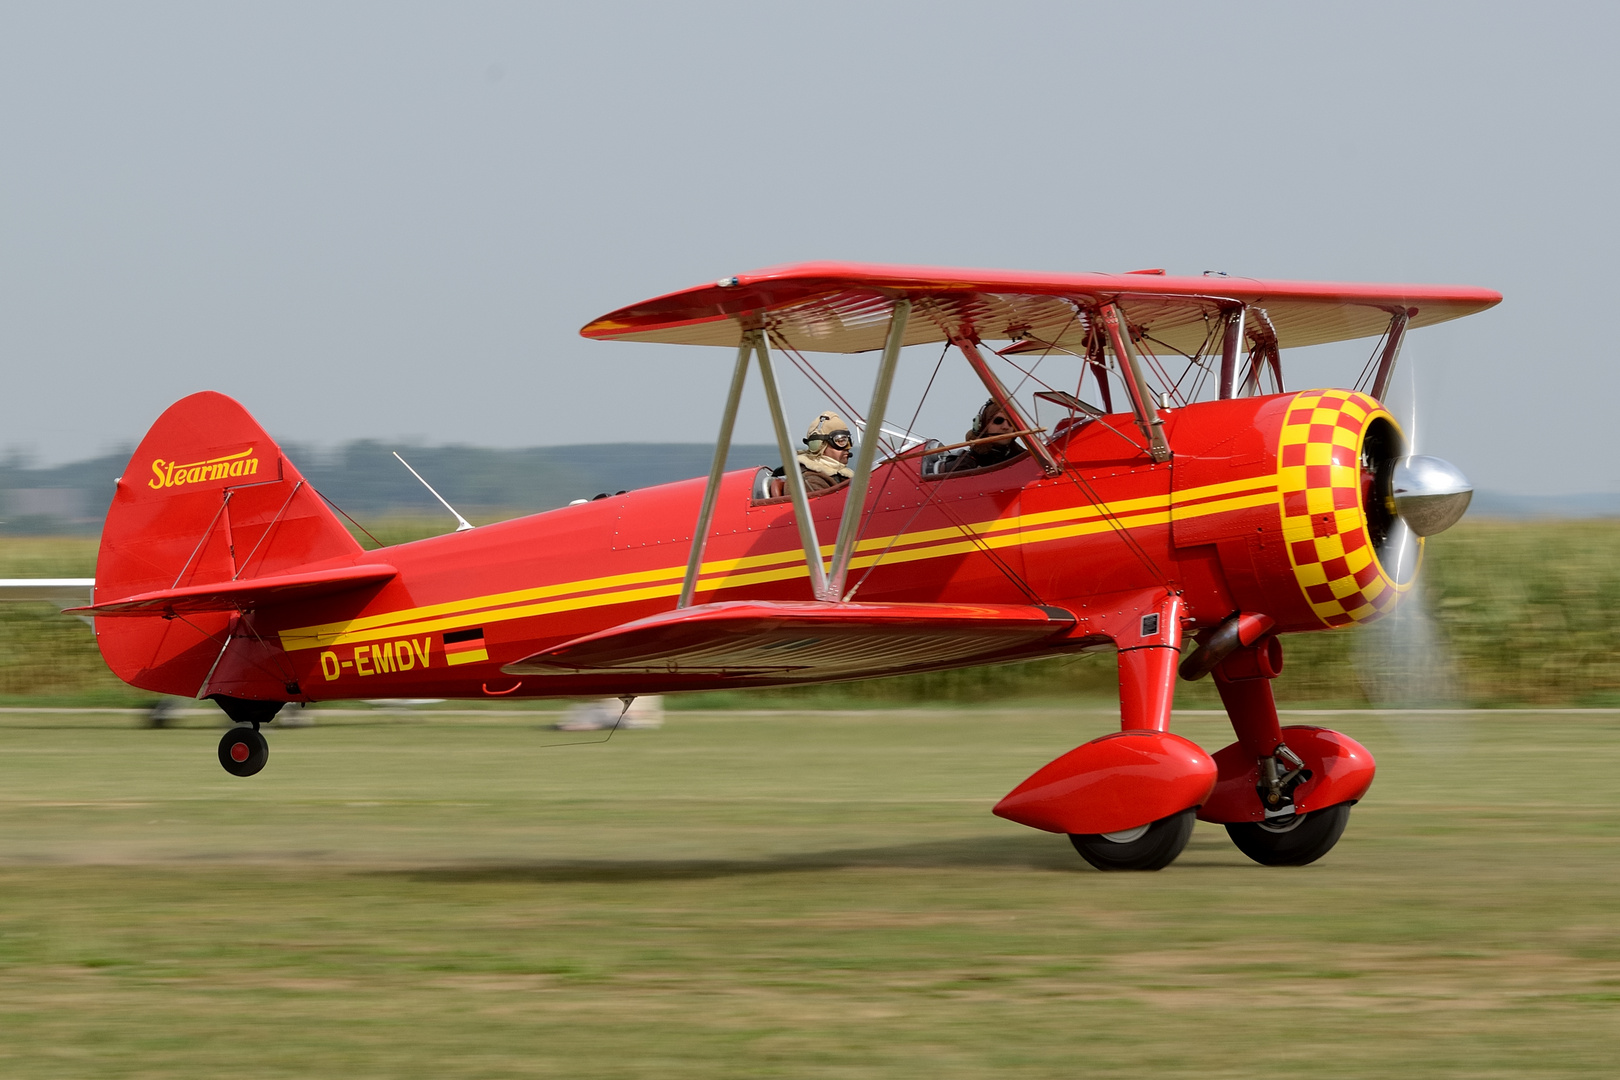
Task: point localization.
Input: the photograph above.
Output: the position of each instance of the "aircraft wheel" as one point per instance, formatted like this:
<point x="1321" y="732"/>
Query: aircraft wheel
<point x="1306" y="838"/>
<point x="1147" y="847"/>
<point x="243" y="751"/>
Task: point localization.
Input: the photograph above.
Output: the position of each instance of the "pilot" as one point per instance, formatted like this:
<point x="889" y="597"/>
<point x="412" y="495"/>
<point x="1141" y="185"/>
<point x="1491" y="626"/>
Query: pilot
<point x="997" y="443"/>
<point x="824" y="461"/>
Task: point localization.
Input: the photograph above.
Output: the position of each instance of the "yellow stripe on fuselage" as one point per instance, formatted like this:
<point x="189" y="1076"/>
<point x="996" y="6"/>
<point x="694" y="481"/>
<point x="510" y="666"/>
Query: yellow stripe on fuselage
<point x="748" y="570"/>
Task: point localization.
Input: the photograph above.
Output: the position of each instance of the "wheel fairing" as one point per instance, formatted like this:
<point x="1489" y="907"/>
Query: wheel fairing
<point x="1117" y="782"/>
<point x="1341" y="772"/>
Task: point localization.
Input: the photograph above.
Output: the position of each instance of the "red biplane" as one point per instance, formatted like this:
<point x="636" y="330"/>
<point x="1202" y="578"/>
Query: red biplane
<point x="1213" y="512"/>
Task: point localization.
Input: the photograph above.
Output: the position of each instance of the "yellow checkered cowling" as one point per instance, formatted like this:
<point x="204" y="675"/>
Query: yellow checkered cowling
<point x="1324" y="524"/>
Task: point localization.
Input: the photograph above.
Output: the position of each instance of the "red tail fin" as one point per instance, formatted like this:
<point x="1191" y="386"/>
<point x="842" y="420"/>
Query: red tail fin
<point x="208" y="497"/>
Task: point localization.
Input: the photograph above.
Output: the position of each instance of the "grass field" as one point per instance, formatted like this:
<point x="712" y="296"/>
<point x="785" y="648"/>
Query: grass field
<point x="823" y="895"/>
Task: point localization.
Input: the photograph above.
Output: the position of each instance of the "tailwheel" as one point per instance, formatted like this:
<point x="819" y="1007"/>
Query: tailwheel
<point x="1146" y="847"/>
<point x="1303" y="838"/>
<point x="243" y="751"/>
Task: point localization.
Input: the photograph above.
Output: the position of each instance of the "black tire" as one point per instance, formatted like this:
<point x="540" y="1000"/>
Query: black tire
<point x="1153" y="849"/>
<point x="243" y="751"/>
<point x="1308" y="837"/>
<point x="246" y="710"/>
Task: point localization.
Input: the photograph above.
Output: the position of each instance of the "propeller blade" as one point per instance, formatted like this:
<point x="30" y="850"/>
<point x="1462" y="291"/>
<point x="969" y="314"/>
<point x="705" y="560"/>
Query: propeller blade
<point x="1403" y="659"/>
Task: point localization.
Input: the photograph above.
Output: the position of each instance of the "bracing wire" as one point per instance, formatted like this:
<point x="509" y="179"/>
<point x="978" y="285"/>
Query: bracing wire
<point x="1197" y="362"/>
<point x="1363" y="381"/>
<point x="817" y="379"/>
<point x="1028" y="374"/>
<point x="1171" y="386"/>
<point x="288" y="676"/>
<point x="1119" y="527"/>
<point x="1074" y="313"/>
<point x="269" y="530"/>
<point x="241" y="618"/>
<point x="345" y="513"/>
<point x="933" y="496"/>
<point x="932" y="499"/>
<point x="911" y="427"/>
<point x="1013" y="577"/>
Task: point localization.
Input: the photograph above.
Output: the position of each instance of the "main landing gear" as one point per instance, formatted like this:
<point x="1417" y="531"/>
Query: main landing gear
<point x="1284" y="794"/>
<point x="243" y="751"/>
<point x="1127" y="800"/>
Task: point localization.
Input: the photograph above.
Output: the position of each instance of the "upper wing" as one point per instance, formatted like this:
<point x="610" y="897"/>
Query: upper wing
<point x="845" y="307"/>
<point x="249" y="593"/>
<point x="797" y="640"/>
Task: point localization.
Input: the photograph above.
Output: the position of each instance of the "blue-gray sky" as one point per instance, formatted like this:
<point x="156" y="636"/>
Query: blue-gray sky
<point x="390" y="220"/>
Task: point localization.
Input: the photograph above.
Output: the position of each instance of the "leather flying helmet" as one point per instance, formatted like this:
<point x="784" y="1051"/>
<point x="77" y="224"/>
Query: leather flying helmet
<point x="825" y="429"/>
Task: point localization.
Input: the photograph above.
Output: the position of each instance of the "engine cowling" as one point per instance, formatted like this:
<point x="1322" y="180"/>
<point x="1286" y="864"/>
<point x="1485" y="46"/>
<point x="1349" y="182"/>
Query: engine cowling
<point x="1328" y="532"/>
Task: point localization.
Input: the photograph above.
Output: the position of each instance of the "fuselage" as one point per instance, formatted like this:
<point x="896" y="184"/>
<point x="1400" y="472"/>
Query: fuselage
<point x="1213" y="524"/>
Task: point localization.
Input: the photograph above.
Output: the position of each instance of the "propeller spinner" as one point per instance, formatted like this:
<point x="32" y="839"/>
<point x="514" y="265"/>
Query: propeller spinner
<point x="1430" y="494"/>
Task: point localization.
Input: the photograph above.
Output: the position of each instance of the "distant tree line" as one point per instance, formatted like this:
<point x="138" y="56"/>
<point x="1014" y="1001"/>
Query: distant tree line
<point x="364" y="479"/>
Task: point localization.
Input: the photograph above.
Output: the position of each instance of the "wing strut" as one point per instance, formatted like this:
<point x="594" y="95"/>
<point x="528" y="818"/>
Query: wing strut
<point x="1392" y="352"/>
<point x="722" y="448"/>
<point x="1264" y="354"/>
<point x="753" y="344"/>
<point x="1231" y="349"/>
<point x="849" y="526"/>
<point x="790" y="470"/>
<point x="1147" y="418"/>
<point x="823" y="585"/>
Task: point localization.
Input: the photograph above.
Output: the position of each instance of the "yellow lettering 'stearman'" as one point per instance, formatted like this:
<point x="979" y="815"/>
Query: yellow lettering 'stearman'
<point x="169" y="474"/>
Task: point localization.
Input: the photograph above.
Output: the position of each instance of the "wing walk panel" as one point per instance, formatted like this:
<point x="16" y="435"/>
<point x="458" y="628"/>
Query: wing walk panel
<point x="807" y="639"/>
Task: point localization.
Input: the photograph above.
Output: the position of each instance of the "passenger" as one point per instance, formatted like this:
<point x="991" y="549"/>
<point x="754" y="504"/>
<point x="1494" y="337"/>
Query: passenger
<point x="824" y="461"/>
<point x="992" y="421"/>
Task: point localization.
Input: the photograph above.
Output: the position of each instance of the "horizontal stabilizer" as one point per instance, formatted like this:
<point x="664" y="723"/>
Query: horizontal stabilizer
<point x="60" y="590"/>
<point x="806" y="640"/>
<point x="245" y="594"/>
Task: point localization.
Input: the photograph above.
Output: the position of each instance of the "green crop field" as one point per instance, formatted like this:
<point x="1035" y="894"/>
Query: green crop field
<point x="809" y="895"/>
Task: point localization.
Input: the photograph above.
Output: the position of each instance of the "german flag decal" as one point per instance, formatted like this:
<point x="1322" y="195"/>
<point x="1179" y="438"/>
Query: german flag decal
<point x="465" y="647"/>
